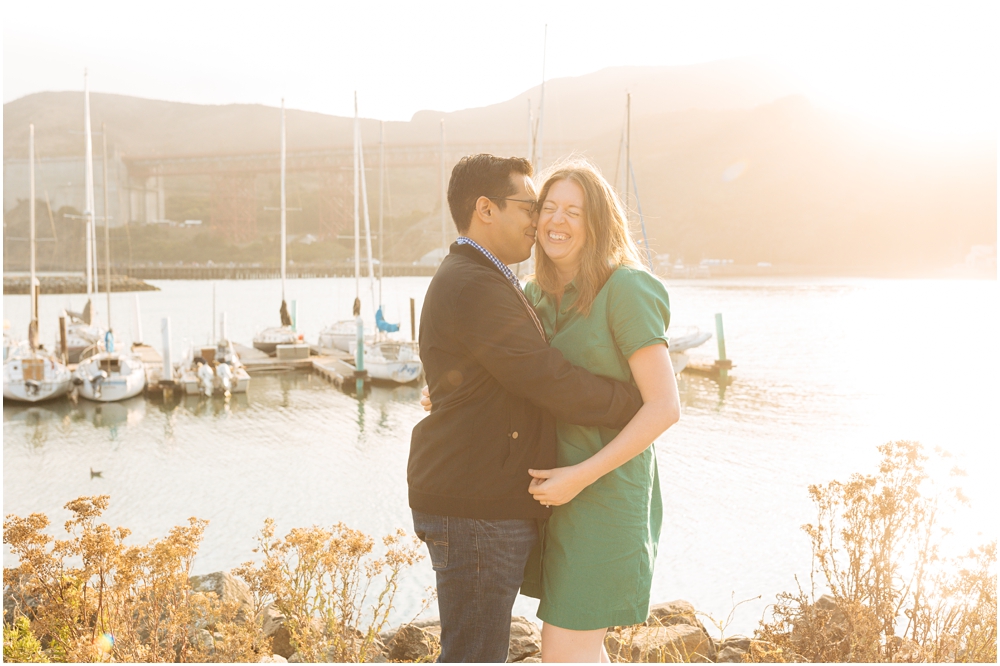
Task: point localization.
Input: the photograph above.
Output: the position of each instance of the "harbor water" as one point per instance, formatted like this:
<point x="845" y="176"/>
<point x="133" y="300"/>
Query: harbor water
<point x="826" y="370"/>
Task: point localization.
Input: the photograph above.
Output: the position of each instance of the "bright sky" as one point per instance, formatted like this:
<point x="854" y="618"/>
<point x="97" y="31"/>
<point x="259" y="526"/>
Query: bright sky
<point x="926" y="68"/>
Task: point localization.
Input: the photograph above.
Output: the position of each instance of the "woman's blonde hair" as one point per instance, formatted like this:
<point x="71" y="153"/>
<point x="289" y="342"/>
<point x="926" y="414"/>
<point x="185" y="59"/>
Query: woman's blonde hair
<point x="609" y="243"/>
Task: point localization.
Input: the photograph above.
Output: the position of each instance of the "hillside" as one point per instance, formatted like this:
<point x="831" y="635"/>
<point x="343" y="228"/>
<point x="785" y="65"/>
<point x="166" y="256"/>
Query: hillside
<point x="728" y="165"/>
<point x="576" y="109"/>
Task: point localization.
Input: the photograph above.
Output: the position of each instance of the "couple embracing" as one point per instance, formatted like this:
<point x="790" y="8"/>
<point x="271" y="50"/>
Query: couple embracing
<point x="534" y="470"/>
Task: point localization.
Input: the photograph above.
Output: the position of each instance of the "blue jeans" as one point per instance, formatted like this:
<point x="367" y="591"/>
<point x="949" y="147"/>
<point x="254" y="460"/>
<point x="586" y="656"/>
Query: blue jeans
<point x="479" y="566"/>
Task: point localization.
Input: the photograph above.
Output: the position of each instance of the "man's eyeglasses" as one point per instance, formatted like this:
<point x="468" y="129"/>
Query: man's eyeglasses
<point x="532" y="202"/>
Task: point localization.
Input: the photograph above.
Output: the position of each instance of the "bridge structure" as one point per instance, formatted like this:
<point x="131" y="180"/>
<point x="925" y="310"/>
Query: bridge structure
<point x="234" y="177"/>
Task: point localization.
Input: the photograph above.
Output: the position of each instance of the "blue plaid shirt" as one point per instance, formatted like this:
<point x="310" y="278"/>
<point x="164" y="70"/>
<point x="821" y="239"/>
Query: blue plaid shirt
<point x="509" y="274"/>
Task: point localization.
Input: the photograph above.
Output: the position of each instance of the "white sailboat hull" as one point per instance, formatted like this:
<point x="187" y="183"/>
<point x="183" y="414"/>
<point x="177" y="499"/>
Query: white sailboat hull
<point x="688" y="338"/>
<point x="343" y="335"/>
<point x="679" y="360"/>
<point x="390" y="361"/>
<point x="34" y="377"/>
<point x="192" y="386"/>
<point x="110" y="377"/>
<point x="400" y="372"/>
<point x="213" y="382"/>
<point x="268" y="340"/>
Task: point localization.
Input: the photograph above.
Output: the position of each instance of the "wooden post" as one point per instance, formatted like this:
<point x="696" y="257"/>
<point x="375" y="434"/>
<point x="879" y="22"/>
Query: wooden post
<point x="359" y="358"/>
<point x="168" y="365"/>
<point x="723" y="364"/>
<point x="413" y="319"/>
<point x="63" y="339"/>
<point x="36" y="288"/>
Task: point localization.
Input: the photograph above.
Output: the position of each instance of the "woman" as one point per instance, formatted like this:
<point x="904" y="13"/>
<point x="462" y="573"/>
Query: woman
<point x="606" y="313"/>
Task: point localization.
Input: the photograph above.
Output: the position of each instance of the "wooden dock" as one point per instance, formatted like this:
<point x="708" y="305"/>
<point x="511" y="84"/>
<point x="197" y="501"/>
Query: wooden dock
<point x="718" y="371"/>
<point x="256" y="361"/>
<point x="331" y="364"/>
<point x="154" y="365"/>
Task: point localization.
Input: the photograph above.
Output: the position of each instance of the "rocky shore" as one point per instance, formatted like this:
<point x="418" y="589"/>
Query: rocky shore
<point x="673" y="633"/>
<point x="72" y="284"/>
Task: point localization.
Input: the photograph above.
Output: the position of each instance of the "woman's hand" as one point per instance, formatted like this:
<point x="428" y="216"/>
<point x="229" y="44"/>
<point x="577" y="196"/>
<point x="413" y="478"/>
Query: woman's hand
<point x="555" y="487"/>
<point x="425" y="398"/>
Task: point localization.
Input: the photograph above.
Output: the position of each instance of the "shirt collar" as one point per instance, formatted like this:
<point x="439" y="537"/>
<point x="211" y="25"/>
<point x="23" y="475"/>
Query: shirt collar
<point x="509" y="274"/>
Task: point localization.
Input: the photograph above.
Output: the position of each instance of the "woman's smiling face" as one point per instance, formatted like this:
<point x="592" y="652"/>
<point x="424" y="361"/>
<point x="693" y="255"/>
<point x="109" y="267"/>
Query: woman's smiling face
<point x="562" y="225"/>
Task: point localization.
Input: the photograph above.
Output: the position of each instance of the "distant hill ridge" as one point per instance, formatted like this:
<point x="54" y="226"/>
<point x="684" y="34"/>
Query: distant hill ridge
<point x="729" y="162"/>
<point x="576" y="109"/>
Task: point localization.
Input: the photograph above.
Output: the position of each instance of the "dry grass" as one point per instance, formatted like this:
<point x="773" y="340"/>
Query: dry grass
<point x="93" y="597"/>
<point x="892" y="595"/>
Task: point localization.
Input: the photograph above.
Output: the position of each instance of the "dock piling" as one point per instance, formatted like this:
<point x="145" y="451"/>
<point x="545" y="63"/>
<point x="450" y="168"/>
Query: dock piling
<point x="723" y="364"/>
<point x="360" y="374"/>
<point x="168" y="366"/>
<point x="63" y="342"/>
<point x="137" y="322"/>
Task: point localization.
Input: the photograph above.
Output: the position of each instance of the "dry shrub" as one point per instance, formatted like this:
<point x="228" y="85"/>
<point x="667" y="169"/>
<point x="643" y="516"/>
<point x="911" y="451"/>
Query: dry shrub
<point x="321" y="581"/>
<point x="93" y="597"/>
<point x="892" y="594"/>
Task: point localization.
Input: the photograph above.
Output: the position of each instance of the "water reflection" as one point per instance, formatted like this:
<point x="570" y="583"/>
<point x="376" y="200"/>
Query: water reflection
<point x="52" y="421"/>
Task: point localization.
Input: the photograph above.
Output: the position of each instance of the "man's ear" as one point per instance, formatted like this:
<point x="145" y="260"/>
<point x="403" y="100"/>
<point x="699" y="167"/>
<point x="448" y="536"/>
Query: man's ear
<point x="484" y="209"/>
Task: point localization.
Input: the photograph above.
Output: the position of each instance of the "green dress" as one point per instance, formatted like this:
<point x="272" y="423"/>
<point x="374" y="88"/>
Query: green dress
<point x="593" y="566"/>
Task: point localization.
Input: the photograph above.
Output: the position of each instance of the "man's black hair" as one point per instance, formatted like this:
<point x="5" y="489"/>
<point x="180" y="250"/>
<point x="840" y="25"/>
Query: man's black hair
<point x="482" y="175"/>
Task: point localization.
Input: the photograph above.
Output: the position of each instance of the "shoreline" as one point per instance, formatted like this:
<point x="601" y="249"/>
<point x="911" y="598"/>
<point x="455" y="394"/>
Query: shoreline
<point x="69" y="284"/>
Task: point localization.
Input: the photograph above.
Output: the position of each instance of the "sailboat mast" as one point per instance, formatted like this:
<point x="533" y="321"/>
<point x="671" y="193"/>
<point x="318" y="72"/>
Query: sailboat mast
<point x="444" y="200"/>
<point x="357" y="202"/>
<point x="368" y="223"/>
<point x="531" y="134"/>
<point x="541" y="105"/>
<point x="628" y="149"/>
<point x="283" y="240"/>
<point x="88" y="208"/>
<point x="381" y="207"/>
<point x="31" y="218"/>
<point x="107" y="220"/>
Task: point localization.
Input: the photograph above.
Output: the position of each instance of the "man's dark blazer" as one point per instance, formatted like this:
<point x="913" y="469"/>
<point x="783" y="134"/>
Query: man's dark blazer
<point x="496" y="388"/>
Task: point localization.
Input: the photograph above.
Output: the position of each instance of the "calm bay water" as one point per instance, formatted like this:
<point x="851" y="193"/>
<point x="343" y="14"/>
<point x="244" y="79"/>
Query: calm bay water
<point x="827" y="369"/>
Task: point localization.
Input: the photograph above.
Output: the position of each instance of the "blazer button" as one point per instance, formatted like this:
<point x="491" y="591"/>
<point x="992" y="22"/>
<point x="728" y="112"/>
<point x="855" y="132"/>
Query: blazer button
<point x="513" y="435"/>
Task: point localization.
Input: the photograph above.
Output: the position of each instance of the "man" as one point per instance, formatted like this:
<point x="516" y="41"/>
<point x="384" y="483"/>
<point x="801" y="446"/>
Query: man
<point x="496" y="388"/>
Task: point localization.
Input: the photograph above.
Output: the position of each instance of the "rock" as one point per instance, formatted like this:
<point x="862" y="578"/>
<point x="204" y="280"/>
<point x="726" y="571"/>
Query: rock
<point x="412" y="643"/>
<point x="732" y="649"/>
<point x="737" y="642"/>
<point x="272" y="659"/>
<point x="228" y="588"/>
<point x="675" y="643"/>
<point x="16" y="603"/>
<point x="202" y="639"/>
<point x="273" y="627"/>
<point x="525" y="640"/>
<point x="296" y="658"/>
<point x="907" y="651"/>
<point x="674" y="612"/>
<point x="730" y="655"/>
<point x="535" y="659"/>
<point x="433" y="625"/>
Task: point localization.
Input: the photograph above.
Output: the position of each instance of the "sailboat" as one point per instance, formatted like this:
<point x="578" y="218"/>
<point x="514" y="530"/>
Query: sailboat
<point x="214" y="368"/>
<point x="384" y="359"/>
<point x="30" y="373"/>
<point x="84" y="336"/>
<point x="109" y="375"/>
<point x="388" y="360"/>
<point x="268" y="340"/>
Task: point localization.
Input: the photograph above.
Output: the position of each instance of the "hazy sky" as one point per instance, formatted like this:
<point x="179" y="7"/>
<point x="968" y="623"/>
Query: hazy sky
<point x="923" y="67"/>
